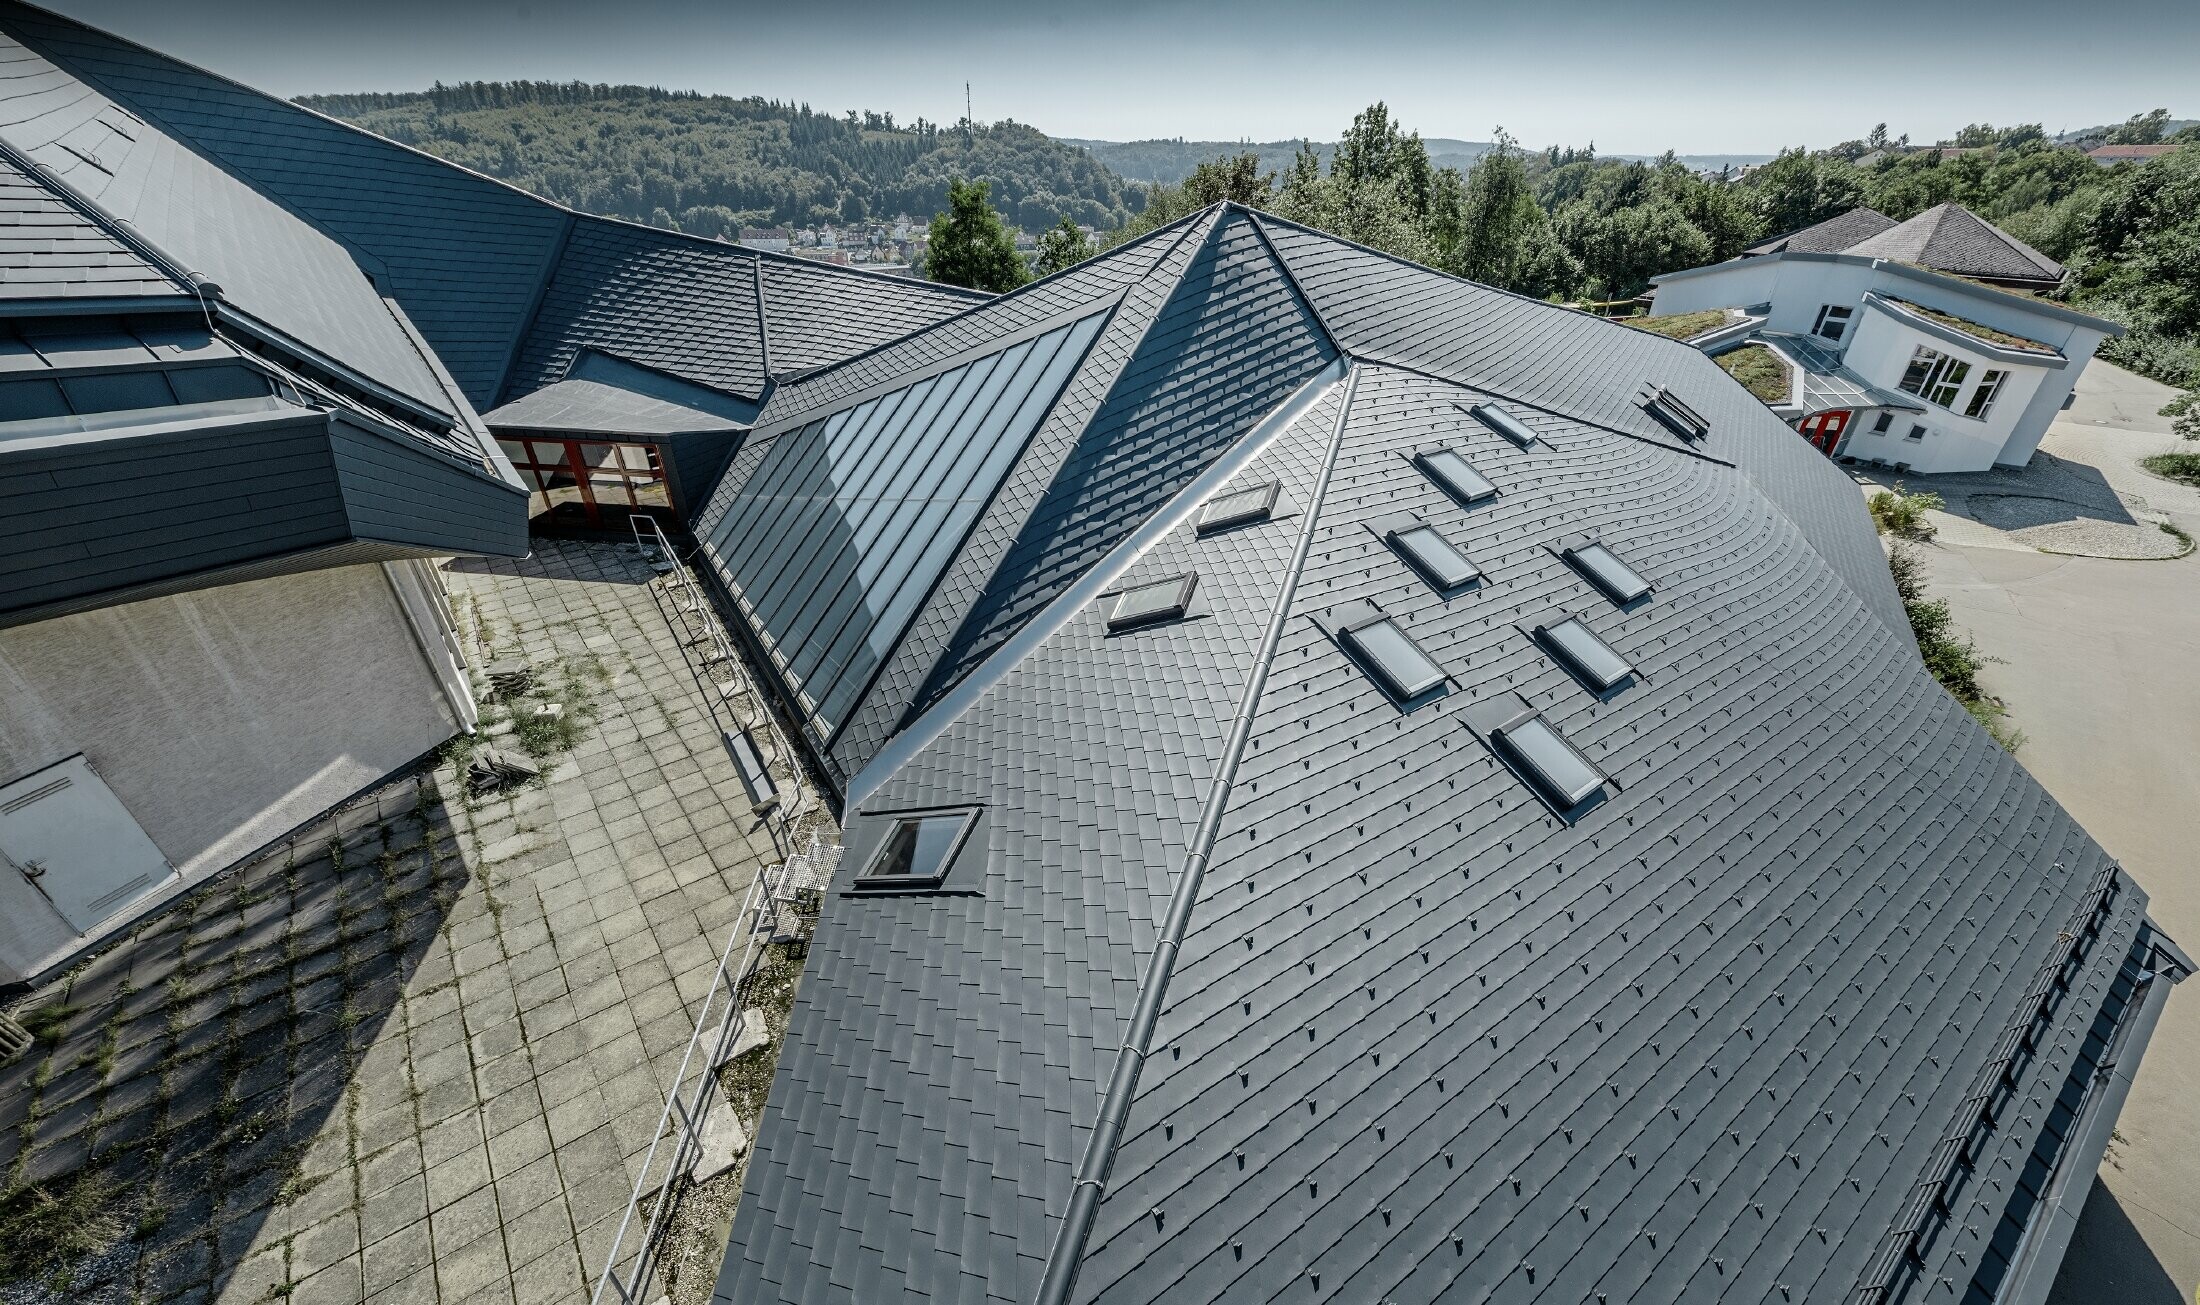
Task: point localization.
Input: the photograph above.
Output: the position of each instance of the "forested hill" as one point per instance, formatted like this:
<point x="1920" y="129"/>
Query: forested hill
<point x="710" y="164"/>
<point x="1170" y="161"/>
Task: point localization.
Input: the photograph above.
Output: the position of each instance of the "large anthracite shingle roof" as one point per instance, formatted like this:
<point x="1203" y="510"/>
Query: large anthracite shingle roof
<point x="1379" y="1024"/>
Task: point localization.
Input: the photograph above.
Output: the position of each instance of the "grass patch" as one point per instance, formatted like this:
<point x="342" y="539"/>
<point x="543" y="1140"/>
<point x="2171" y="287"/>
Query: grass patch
<point x="1977" y="330"/>
<point x="1679" y="326"/>
<point x="1761" y="371"/>
<point x="1951" y="655"/>
<point x="2184" y="468"/>
<point x="45" y="1022"/>
<point x="45" y="1227"/>
<point x="1902" y="514"/>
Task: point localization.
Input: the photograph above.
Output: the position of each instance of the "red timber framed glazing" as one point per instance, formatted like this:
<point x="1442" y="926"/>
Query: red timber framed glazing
<point x="586" y="478"/>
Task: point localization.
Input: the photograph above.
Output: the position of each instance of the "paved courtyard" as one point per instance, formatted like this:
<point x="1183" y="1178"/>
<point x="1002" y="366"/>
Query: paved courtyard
<point x="416" y="1055"/>
<point x="2095" y="661"/>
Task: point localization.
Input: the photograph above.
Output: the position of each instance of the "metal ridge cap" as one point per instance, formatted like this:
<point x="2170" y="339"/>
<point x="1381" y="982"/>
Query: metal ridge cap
<point x="921" y="732"/>
<point x="1064" y="1258"/>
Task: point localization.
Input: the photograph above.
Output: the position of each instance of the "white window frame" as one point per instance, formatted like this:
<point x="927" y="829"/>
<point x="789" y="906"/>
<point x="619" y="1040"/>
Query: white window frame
<point x="1983" y="398"/>
<point x="1836" y="316"/>
<point x="1941" y="381"/>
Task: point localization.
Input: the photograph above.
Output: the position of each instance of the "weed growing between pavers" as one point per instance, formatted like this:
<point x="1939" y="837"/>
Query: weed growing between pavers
<point x="171" y="1108"/>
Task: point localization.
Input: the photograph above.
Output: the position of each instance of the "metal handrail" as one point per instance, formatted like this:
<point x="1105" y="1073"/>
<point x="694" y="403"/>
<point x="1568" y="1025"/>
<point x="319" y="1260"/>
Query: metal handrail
<point x="649" y="535"/>
<point x="758" y="920"/>
<point x="687" y="1107"/>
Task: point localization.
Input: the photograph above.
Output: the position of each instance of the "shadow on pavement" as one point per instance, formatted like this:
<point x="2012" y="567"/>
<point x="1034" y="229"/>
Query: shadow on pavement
<point x="2045" y="491"/>
<point x="2108" y="1262"/>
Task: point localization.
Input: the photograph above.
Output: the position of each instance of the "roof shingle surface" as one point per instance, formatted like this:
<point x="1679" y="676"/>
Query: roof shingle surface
<point x="1950" y="238"/>
<point x="50" y="249"/>
<point x="1423" y="1038"/>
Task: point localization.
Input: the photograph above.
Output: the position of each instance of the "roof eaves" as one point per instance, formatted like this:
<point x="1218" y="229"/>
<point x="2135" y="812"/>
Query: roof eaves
<point x="1917" y="321"/>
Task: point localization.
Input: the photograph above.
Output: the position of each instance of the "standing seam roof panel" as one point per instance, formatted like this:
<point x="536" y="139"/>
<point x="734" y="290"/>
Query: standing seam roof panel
<point x="846" y="518"/>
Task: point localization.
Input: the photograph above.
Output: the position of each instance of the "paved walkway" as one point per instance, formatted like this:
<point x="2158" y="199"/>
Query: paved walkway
<point x="2095" y="659"/>
<point x="417" y="1056"/>
<point x="2084" y="493"/>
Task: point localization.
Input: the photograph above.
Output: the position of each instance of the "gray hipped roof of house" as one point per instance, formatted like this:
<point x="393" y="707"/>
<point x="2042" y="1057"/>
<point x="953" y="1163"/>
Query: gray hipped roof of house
<point x="1831" y="236"/>
<point x="1252" y="981"/>
<point x="1950" y="238"/>
<point x="1944" y="238"/>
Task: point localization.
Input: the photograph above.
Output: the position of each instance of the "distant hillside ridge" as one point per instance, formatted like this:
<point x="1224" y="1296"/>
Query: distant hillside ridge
<point x="1170" y="161"/>
<point x="711" y="164"/>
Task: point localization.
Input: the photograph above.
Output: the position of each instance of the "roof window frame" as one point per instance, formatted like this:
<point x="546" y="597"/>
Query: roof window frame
<point x="1540" y="633"/>
<point x="869" y="881"/>
<point x="1673" y="412"/>
<point x="1211" y="523"/>
<point x="1394" y="533"/>
<point x="1470" y="494"/>
<point x="1349" y="634"/>
<point x="1571" y="554"/>
<point x="1120" y="622"/>
<point x="1518" y="741"/>
<point x="1500" y="419"/>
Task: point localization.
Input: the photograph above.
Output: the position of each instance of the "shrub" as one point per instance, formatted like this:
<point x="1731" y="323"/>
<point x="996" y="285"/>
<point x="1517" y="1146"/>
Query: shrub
<point x="1902" y="514"/>
<point x="1952" y="656"/>
<point x="2183" y="467"/>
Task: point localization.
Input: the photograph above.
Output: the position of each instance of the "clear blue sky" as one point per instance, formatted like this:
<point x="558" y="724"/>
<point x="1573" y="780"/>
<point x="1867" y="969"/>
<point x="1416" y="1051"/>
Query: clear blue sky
<point x="1637" y="77"/>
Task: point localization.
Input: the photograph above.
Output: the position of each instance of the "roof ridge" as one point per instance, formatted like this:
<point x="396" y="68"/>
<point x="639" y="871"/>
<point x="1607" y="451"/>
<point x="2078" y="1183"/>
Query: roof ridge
<point x="1064" y="1257"/>
<point x="809" y="374"/>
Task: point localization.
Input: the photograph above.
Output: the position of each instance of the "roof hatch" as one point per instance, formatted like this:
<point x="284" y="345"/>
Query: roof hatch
<point x="1437" y="559"/>
<point x="1390" y="655"/>
<point x="1576" y="647"/>
<point x="918" y="850"/>
<point x="1676" y="416"/>
<point x="1555" y="766"/>
<point x="1504" y="423"/>
<point x="1240" y="507"/>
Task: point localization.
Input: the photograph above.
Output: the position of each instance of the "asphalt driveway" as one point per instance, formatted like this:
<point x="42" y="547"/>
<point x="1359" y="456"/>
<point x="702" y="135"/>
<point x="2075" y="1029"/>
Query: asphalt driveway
<point x="2097" y="663"/>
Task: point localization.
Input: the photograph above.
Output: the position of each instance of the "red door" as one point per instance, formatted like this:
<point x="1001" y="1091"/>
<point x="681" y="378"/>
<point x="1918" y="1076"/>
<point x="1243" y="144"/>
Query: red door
<point x="1824" y="429"/>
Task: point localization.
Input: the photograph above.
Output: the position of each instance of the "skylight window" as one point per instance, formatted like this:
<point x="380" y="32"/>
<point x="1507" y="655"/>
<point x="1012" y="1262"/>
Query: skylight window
<point x="917" y="850"/>
<point x="1590" y="659"/>
<point x="1668" y="408"/>
<point x="1603" y="569"/>
<point x="1434" y="557"/>
<point x="1504" y="423"/>
<point x="1240" y="508"/>
<point x="1556" y="767"/>
<point x="1393" y="658"/>
<point x="1447" y="468"/>
<point x="1151" y="604"/>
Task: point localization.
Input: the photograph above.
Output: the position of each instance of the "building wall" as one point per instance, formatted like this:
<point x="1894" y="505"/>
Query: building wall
<point x="1878" y="347"/>
<point x="1880" y="350"/>
<point x="225" y="717"/>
